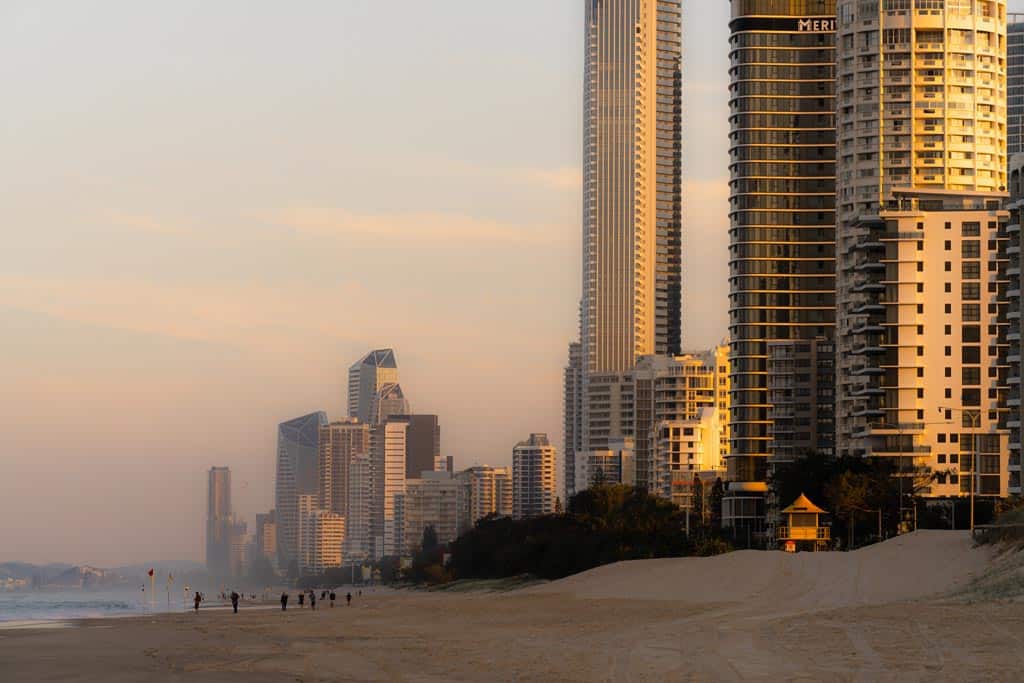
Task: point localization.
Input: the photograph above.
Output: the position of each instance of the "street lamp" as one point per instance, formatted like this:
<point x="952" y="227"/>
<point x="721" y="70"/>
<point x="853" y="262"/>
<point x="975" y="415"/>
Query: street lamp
<point x="975" y="422"/>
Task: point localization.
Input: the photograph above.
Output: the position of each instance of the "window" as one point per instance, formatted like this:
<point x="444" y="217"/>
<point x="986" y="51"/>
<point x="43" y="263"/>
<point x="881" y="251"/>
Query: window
<point x="971" y="334"/>
<point x="970" y="291"/>
<point x="970" y="249"/>
<point x="971" y="313"/>
<point x="971" y="270"/>
<point x="970" y="354"/>
<point x="971" y="229"/>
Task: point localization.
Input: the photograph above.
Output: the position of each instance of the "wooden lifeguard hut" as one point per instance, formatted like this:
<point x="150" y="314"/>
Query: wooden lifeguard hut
<point x="802" y="527"/>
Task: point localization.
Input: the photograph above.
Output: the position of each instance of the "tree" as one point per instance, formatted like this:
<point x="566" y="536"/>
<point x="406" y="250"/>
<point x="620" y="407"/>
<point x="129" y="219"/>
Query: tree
<point x="698" y="499"/>
<point x="717" y="494"/>
<point x="429" y="542"/>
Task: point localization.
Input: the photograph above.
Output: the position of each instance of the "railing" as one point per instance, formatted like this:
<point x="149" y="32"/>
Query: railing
<point x="803" y="533"/>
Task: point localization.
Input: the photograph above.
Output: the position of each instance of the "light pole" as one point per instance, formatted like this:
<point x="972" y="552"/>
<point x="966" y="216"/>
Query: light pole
<point x="975" y="423"/>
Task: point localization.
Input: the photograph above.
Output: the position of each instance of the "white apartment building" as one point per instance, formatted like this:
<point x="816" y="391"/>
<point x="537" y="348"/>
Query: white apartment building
<point x="483" y="491"/>
<point x="388" y="448"/>
<point x="358" y="518"/>
<point x="534" y="489"/>
<point x="684" y="449"/>
<point x="921" y="239"/>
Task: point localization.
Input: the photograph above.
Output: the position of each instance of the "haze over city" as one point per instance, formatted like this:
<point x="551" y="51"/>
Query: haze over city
<point x="211" y="210"/>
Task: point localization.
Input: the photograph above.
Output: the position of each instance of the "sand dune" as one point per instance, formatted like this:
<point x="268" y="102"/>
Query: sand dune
<point x="873" y="615"/>
<point x="909" y="567"/>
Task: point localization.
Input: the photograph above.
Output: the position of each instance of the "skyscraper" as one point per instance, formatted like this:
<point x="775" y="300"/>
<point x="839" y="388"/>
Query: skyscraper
<point x="388" y="467"/>
<point x="533" y="477"/>
<point x="632" y="212"/>
<point x="365" y="379"/>
<point x="782" y="198"/>
<point x="632" y="119"/>
<point x="922" y="277"/>
<point x="218" y="521"/>
<point x="298" y="443"/>
<point x="484" y="490"/>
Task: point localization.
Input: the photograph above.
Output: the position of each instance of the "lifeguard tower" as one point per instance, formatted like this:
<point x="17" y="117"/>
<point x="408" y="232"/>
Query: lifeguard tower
<point x="802" y="527"/>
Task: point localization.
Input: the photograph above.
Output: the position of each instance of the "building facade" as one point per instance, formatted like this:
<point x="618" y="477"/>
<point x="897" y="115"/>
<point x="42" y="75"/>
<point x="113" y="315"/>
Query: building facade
<point x="358" y="515"/>
<point x="782" y="196"/>
<point x="534" y="487"/>
<point x="298" y="453"/>
<point x="1015" y="84"/>
<point x="801" y="391"/>
<point x="484" y="490"/>
<point x="683" y="450"/>
<point x="365" y="379"/>
<point x="573" y="417"/>
<point x="1011" y="417"/>
<point x="921" y="282"/>
<point x="388" y="401"/>
<point x="388" y="467"/>
<point x="339" y="442"/>
<point x="430" y="501"/>
<point x="266" y="535"/>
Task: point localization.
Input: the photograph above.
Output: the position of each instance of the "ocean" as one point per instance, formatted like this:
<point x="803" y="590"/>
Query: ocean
<point x="57" y="605"/>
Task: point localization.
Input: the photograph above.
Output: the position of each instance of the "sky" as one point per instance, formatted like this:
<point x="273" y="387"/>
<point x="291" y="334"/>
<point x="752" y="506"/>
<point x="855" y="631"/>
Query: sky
<point x="208" y="211"/>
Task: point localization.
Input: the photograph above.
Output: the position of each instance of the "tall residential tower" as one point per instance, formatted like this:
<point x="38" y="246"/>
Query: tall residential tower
<point x="782" y="198"/>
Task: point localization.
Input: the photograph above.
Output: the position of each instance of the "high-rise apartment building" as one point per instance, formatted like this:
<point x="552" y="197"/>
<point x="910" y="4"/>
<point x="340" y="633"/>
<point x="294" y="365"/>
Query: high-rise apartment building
<point x="339" y="442"/>
<point x="484" y="490"/>
<point x="534" y="489"/>
<point x="366" y="377"/>
<point x="922" y="277"/>
<point x="321" y="537"/>
<point x="684" y="449"/>
<point x="298" y="446"/>
<point x="1015" y="84"/>
<point x="219" y="521"/>
<point x="782" y="222"/>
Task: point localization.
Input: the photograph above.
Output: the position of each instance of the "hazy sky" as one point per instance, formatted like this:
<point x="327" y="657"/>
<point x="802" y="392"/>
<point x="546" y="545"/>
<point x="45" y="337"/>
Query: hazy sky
<point x="209" y="210"/>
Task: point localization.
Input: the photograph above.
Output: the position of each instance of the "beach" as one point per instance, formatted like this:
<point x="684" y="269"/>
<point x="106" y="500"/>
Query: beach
<point x="902" y="610"/>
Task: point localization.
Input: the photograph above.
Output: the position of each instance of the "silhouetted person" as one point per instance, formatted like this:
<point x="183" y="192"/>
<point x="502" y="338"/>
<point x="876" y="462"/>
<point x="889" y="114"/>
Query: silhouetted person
<point x="332" y="598"/>
<point x="284" y="601"/>
<point x="312" y="599"/>
<point x="234" y="601"/>
<point x="198" y="599"/>
<point x="302" y="600"/>
<point x="323" y="595"/>
<point x="348" y="599"/>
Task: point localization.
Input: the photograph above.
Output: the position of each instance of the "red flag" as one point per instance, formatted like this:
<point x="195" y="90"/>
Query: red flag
<point x="151" y="572"/>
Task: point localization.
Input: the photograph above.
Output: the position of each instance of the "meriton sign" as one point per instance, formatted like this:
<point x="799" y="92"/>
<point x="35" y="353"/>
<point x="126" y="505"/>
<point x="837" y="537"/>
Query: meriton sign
<point x="817" y="25"/>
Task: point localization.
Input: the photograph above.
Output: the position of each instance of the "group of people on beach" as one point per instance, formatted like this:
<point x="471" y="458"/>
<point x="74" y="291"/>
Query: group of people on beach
<point x="324" y="596"/>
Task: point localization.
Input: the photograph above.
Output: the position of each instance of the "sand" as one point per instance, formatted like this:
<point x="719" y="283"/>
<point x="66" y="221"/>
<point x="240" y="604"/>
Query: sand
<point x="895" y="611"/>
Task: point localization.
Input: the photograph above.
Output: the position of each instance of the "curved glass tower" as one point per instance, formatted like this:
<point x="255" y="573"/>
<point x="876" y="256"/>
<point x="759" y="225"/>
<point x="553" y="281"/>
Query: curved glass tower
<point x="782" y="218"/>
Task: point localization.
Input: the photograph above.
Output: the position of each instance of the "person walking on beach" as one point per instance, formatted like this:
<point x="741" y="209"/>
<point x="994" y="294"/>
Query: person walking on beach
<point x="198" y="599"/>
<point x="234" y="601"/>
<point x="312" y="599"/>
<point x="332" y="599"/>
<point x="348" y="599"/>
<point x="284" y="601"/>
<point x="302" y="600"/>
